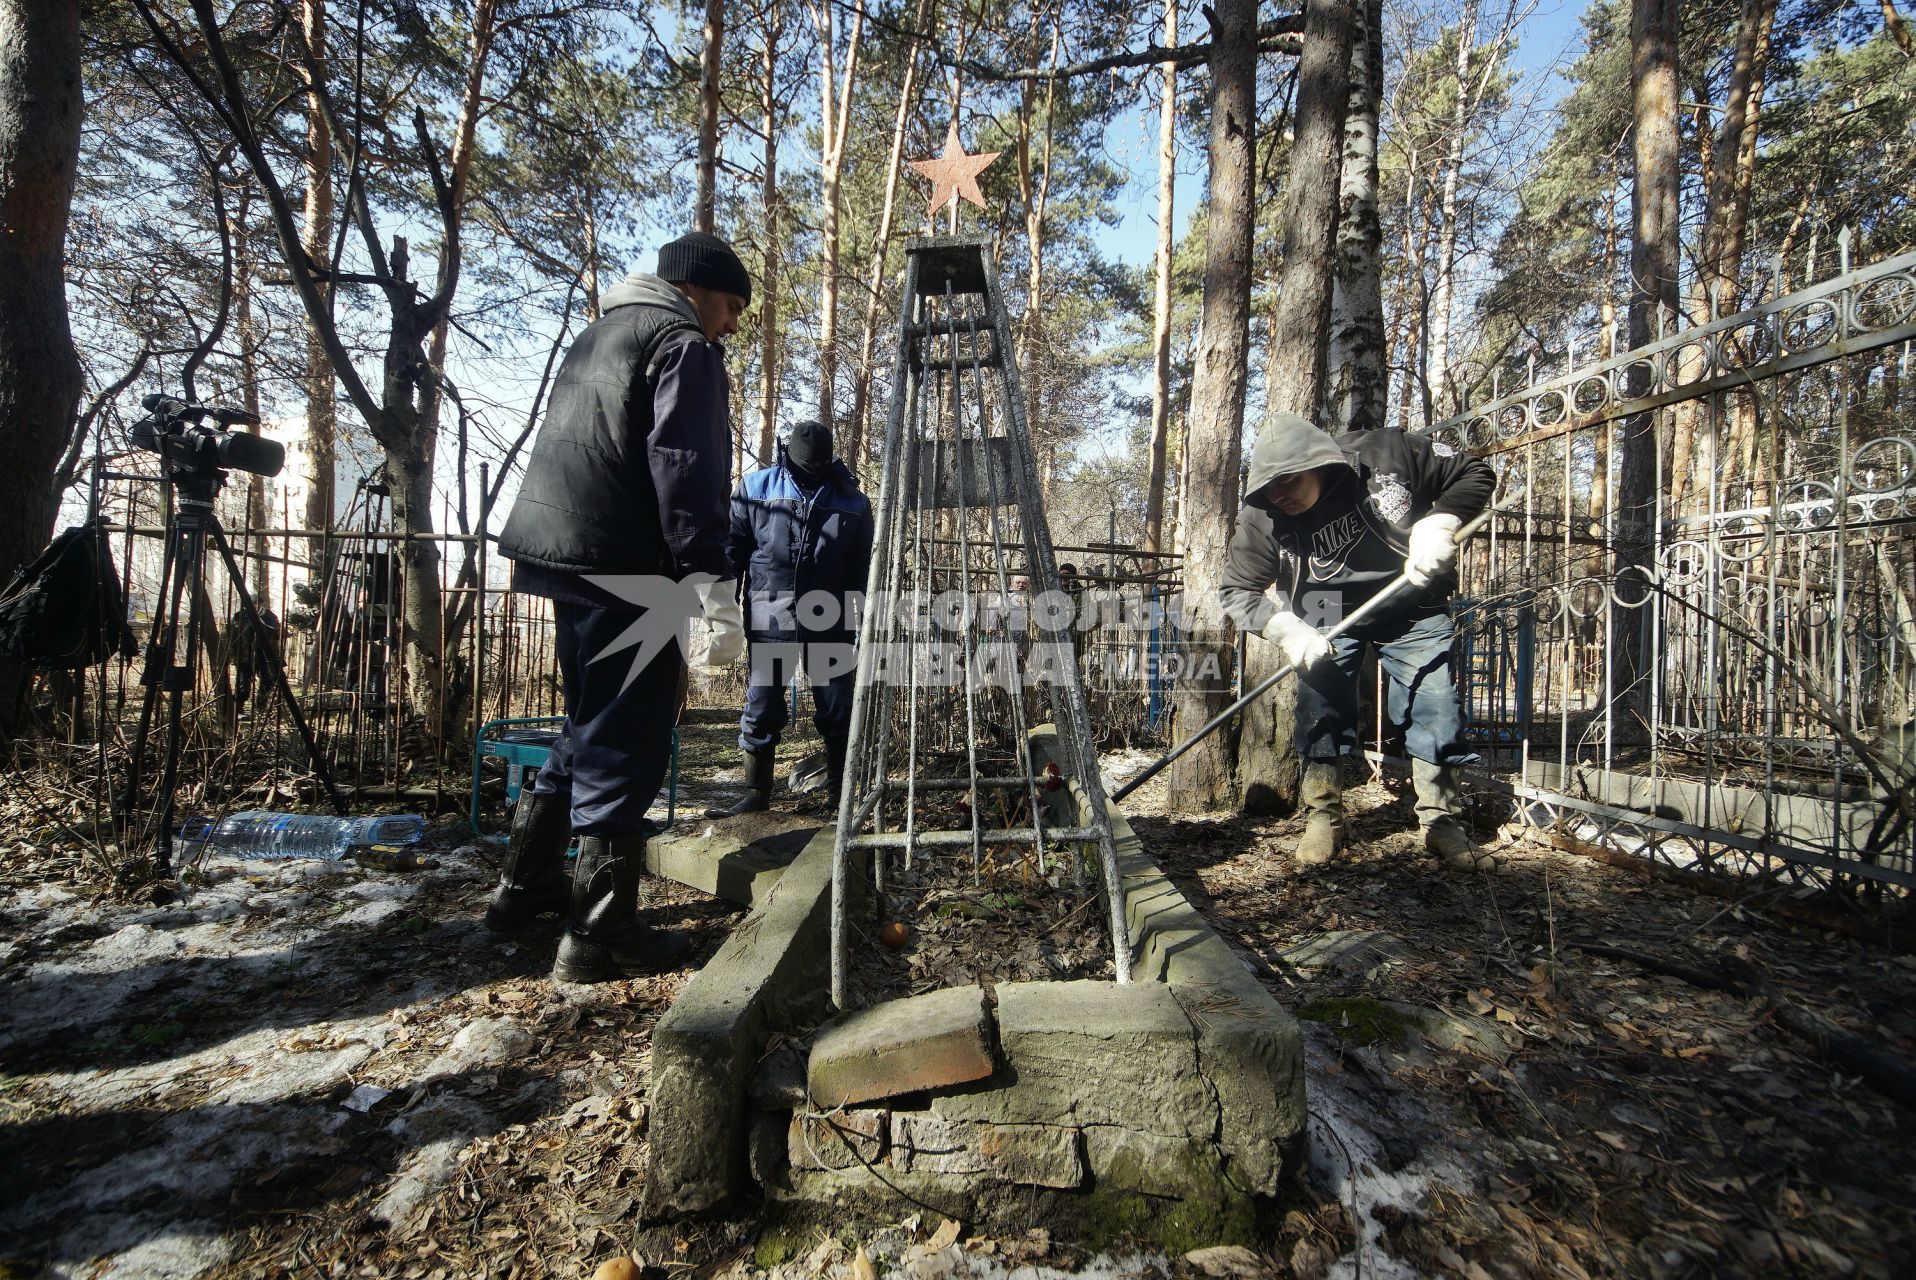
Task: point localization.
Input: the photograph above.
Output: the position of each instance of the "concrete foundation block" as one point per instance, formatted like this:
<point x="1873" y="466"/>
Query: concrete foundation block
<point x="1179" y="1168"/>
<point x="1033" y="1155"/>
<point x="772" y="972"/>
<point x="924" y="1042"/>
<point x="1084" y="1053"/>
<point x="839" y="1140"/>
<point x="739" y="859"/>
<point x="925" y="1143"/>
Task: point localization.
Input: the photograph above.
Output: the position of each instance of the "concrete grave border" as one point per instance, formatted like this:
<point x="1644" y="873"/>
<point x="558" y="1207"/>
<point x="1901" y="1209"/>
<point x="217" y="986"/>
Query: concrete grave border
<point x="1184" y="1166"/>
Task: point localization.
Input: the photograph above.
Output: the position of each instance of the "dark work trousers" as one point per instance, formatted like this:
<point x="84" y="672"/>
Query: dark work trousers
<point x="613" y="754"/>
<point x="767" y="699"/>
<point x="1422" y="702"/>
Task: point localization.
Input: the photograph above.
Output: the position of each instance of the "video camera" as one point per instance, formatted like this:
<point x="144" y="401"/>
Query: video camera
<point x="176" y="430"/>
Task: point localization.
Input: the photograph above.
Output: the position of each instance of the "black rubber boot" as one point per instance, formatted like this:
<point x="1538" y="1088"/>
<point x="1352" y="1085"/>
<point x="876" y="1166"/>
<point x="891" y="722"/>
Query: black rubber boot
<point x="534" y="880"/>
<point x="834" y="771"/>
<point x="758" y="788"/>
<point x="604" y="939"/>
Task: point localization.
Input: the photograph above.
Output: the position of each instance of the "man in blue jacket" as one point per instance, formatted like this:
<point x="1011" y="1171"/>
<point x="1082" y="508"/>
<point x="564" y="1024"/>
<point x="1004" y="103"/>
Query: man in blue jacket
<point x="624" y="498"/>
<point x="801" y="542"/>
<point x="1331" y="522"/>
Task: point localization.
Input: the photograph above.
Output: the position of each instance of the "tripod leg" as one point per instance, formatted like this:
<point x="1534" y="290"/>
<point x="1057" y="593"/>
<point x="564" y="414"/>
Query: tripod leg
<point x="180" y="676"/>
<point x="276" y="668"/>
<point x="159" y="656"/>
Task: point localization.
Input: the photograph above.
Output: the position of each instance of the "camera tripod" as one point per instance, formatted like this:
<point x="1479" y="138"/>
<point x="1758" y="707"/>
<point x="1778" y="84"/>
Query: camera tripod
<point x="167" y="670"/>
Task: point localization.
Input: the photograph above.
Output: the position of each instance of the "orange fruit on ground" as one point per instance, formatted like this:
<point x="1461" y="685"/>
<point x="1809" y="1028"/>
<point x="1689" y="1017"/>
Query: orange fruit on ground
<point x="893" y="935"/>
<point x="617" y="1269"/>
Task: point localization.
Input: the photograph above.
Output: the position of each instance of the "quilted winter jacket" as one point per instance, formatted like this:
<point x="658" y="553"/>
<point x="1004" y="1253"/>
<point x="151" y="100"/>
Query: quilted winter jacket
<point x="628" y="472"/>
<point x="784" y="544"/>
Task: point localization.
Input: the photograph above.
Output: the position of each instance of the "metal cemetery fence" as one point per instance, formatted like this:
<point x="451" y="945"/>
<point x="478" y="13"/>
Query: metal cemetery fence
<point x="1774" y="593"/>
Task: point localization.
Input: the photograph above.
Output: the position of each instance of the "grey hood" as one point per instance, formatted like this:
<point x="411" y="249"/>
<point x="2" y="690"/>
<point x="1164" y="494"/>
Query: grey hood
<point x="641" y="288"/>
<point x="1289" y="444"/>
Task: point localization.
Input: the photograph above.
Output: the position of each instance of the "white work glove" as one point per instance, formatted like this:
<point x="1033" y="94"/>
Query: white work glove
<point x="725" y="618"/>
<point x="1433" y="548"/>
<point x="1297" y="639"/>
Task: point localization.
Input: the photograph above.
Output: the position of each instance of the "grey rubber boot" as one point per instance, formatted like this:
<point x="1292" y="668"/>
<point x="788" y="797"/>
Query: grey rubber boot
<point x="604" y="938"/>
<point x="533" y="882"/>
<point x="1322" y="795"/>
<point x="758" y="788"/>
<point x="1440" y="805"/>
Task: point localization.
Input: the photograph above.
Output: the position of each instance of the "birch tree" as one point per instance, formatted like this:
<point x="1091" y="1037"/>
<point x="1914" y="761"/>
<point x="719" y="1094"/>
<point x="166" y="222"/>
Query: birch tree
<point x="1357" y="390"/>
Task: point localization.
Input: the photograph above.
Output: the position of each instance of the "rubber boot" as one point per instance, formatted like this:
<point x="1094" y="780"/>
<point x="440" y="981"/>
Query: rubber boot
<point x="1440" y="802"/>
<point x="758" y="788"/>
<point x="604" y="938"/>
<point x="834" y="771"/>
<point x="533" y="882"/>
<point x="1322" y="794"/>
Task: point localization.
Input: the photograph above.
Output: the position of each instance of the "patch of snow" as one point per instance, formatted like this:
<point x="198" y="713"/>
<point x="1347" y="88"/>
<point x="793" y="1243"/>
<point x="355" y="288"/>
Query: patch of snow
<point x="483" y="1042"/>
<point x="142" y="1248"/>
<point x="290" y="1074"/>
<point x="1348" y="1159"/>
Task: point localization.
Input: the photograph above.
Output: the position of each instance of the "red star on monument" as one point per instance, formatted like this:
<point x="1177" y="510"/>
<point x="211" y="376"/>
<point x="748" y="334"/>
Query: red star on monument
<point x="955" y="174"/>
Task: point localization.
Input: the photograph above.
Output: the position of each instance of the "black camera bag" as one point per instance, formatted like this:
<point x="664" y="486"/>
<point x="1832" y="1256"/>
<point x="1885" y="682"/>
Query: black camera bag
<point x="65" y="610"/>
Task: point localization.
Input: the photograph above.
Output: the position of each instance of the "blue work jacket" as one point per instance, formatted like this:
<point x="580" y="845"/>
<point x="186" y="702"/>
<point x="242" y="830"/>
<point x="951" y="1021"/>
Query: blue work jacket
<point x="786" y="542"/>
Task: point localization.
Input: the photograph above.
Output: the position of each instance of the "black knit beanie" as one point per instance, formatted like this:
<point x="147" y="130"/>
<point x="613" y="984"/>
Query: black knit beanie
<point x="701" y="258"/>
<point x="809" y="447"/>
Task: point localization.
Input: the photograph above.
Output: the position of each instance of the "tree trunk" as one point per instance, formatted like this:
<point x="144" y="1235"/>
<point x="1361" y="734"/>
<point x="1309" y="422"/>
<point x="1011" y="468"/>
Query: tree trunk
<point x="711" y="54"/>
<point x="1413" y="394"/>
<point x="1606" y="347"/>
<point x="409" y="449"/>
<point x="1267" y="765"/>
<point x="458" y="178"/>
<point x="1161" y="315"/>
<point x="1034" y="189"/>
<point x="41" y="104"/>
<point x="317" y="239"/>
<point x="862" y="386"/>
<point x="1729" y="164"/>
<point x="835" y="106"/>
<point x="1655" y="207"/>
<point x="1202" y="777"/>
<point x="1443" y="396"/>
<point x="1357" y="381"/>
<point x="249" y="341"/>
<point x="768" y="359"/>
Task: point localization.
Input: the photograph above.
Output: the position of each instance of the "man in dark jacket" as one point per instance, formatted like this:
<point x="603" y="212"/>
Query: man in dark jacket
<point x="801" y="541"/>
<point x="624" y="497"/>
<point x="1339" y="520"/>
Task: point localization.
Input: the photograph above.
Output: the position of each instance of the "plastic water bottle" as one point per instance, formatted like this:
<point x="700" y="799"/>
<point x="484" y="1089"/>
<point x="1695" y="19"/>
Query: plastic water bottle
<point x="258" y="833"/>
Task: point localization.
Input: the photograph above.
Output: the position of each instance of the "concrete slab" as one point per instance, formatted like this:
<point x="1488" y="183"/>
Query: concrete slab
<point x="1080" y="1053"/>
<point x="772" y="972"/>
<point x="738" y="859"/>
<point x="912" y="1045"/>
<point x="1250" y="1049"/>
<point x="838" y="1141"/>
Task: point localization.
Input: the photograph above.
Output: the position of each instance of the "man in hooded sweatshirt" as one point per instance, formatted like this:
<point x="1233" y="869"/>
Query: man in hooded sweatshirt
<point x="625" y="488"/>
<point x="1331" y="522"/>
<point x="801" y="543"/>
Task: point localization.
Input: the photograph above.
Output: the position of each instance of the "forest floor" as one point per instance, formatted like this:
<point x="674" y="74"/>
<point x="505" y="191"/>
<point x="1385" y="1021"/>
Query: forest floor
<point x="313" y="1068"/>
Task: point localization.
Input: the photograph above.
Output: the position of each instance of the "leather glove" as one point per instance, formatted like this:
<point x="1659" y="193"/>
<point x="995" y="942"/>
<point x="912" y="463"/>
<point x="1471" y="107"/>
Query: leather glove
<point x="725" y="618"/>
<point x="1297" y="639"/>
<point x="1433" y="548"/>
